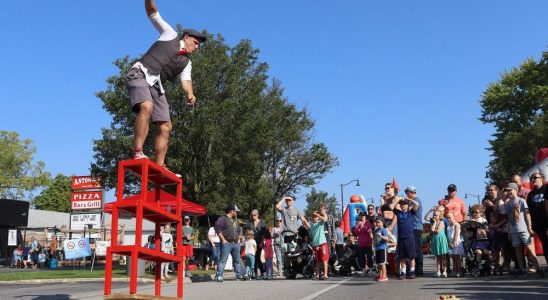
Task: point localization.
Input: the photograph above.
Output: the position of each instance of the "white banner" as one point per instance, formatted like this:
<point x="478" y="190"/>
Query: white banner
<point x="79" y="221"/>
<point x="12" y="237"/>
<point x="101" y="247"/>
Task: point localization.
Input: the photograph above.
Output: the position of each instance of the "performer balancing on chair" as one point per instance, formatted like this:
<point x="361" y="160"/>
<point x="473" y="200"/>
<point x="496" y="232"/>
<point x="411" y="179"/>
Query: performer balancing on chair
<point x="166" y="59"/>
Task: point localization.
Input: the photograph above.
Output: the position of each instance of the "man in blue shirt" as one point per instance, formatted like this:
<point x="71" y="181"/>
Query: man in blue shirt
<point x="411" y="193"/>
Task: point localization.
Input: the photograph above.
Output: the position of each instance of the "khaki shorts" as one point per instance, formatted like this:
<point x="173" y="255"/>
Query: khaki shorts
<point x="139" y="92"/>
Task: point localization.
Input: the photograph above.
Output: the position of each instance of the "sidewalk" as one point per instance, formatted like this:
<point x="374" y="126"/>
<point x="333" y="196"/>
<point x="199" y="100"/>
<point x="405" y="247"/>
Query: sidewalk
<point x="196" y="278"/>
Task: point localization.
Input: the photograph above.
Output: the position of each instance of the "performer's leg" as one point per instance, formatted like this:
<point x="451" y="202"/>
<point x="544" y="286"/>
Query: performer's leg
<point x="161" y="142"/>
<point x="141" y="124"/>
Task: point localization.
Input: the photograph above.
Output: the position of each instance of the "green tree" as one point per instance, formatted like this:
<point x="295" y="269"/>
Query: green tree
<point x="20" y="173"/>
<point x="315" y="198"/>
<point x="56" y="196"/>
<point x="516" y="106"/>
<point x="243" y="143"/>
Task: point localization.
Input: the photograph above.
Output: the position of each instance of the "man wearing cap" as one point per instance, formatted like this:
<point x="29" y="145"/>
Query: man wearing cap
<point x="455" y="204"/>
<point x="228" y="230"/>
<point x="520" y="227"/>
<point x="290" y="216"/>
<point x="166" y="59"/>
<point x="411" y="193"/>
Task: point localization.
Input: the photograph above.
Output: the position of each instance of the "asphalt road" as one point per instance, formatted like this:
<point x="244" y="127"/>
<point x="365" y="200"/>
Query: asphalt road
<point x="529" y="287"/>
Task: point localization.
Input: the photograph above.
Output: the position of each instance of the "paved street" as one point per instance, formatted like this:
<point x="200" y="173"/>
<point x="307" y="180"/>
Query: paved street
<point x="530" y="287"/>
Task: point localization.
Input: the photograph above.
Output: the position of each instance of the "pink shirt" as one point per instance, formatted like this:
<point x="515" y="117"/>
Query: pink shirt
<point x="268" y="250"/>
<point x="457" y="207"/>
<point x="362" y="233"/>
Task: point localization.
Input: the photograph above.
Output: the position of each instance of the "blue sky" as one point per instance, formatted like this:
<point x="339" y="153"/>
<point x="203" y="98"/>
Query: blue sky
<point x="393" y="85"/>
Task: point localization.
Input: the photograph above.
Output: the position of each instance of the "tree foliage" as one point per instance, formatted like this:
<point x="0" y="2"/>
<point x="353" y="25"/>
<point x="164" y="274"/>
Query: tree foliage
<point x="516" y="106"/>
<point x="56" y="196"/>
<point x="315" y="198"/>
<point x="20" y="173"/>
<point x="243" y="143"/>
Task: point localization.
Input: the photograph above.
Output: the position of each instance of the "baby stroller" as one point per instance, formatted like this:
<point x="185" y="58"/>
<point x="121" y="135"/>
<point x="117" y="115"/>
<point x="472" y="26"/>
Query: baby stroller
<point x="298" y="256"/>
<point x="475" y="241"/>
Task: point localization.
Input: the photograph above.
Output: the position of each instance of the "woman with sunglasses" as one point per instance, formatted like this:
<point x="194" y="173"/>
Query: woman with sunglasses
<point x="388" y="203"/>
<point x="538" y="208"/>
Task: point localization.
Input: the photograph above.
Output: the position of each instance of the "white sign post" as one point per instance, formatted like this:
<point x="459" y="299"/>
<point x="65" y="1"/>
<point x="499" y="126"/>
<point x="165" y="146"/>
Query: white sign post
<point x="12" y="237"/>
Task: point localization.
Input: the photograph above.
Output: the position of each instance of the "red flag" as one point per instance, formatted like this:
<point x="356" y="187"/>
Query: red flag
<point x="396" y="185"/>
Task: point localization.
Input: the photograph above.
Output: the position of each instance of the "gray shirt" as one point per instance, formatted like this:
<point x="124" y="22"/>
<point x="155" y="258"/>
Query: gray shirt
<point x="228" y="227"/>
<point x="290" y="217"/>
<point x="515" y="209"/>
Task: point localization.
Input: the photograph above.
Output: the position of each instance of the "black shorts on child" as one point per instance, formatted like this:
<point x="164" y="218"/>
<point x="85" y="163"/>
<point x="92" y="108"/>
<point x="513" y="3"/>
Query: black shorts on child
<point x="406" y="247"/>
<point x="380" y="256"/>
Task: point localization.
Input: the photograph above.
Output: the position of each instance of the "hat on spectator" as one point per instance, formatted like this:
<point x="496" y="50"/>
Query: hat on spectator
<point x="452" y="187"/>
<point x="512" y="186"/>
<point x="404" y="201"/>
<point x="411" y="189"/>
<point x="232" y="207"/>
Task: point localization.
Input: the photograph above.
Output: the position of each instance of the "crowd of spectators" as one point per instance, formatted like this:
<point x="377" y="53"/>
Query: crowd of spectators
<point x="391" y="234"/>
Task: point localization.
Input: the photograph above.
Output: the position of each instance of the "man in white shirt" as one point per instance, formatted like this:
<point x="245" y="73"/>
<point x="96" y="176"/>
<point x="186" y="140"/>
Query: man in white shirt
<point x="166" y="59"/>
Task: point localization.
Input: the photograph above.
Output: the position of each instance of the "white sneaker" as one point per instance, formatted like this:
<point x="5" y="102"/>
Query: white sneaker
<point x="444" y="275"/>
<point x="176" y="174"/>
<point x="139" y="155"/>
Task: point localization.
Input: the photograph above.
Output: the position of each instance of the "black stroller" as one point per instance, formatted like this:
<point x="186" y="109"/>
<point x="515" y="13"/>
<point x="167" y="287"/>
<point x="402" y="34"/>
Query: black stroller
<point x="298" y="255"/>
<point x="469" y="231"/>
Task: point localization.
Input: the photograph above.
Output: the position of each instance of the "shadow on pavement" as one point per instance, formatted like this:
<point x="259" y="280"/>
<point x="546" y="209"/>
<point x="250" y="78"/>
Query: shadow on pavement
<point x="46" y="297"/>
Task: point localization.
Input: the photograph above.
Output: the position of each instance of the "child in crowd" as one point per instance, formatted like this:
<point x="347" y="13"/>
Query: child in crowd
<point x="476" y="214"/>
<point x="439" y="246"/>
<point x="17" y="257"/>
<point x="520" y="228"/>
<point x="363" y="231"/>
<point x="268" y="254"/>
<point x="188" y="250"/>
<point x="456" y="249"/>
<point x="166" y="247"/>
<point x="404" y="218"/>
<point x="481" y="245"/>
<point x="319" y="244"/>
<point x="250" y="249"/>
<point x="381" y="239"/>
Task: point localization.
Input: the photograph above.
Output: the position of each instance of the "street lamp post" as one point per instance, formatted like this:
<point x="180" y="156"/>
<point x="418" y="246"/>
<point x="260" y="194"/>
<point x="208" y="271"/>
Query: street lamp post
<point x="342" y="192"/>
<point x="472" y="195"/>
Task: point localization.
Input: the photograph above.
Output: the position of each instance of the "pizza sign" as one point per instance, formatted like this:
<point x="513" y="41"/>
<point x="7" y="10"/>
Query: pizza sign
<point x="86" y="200"/>
<point x="86" y="182"/>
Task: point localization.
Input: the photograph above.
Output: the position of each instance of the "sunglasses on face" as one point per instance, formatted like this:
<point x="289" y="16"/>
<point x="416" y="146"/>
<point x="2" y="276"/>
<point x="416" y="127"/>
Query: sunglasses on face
<point x="387" y="188"/>
<point x="536" y="177"/>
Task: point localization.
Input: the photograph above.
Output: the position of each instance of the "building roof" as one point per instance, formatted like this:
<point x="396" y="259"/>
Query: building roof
<point x="45" y="218"/>
<point x="48" y="219"/>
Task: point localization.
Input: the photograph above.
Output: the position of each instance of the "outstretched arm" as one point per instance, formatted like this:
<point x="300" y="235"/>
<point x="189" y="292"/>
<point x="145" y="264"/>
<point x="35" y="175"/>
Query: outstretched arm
<point x="189" y="91"/>
<point x="150" y="7"/>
